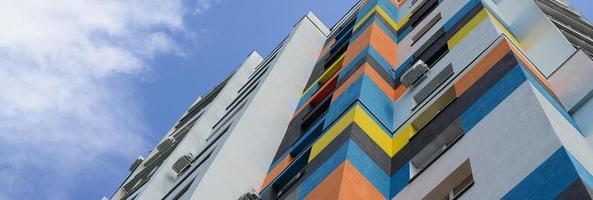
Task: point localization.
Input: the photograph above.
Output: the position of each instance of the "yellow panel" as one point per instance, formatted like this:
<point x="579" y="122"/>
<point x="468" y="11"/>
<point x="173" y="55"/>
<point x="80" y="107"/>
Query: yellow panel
<point x="373" y="130"/>
<point x="332" y="133"/>
<point x="365" y="122"/>
<point x="401" y="138"/>
<point x="385" y="16"/>
<point x="390" y="145"/>
<point x="473" y="23"/>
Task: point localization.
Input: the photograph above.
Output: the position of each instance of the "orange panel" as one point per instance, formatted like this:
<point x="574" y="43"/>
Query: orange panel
<point x="356" y="46"/>
<point x="329" y="188"/>
<point x="276" y="171"/>
<point x="399" y="92"/>
<point x="381" y="83"/>
<point x="383" y="44"/>
<point x="481" y="68"/>
<point x="376" y="37"/>
<point x="355" y="186"/>
<point x="345" y="183"/>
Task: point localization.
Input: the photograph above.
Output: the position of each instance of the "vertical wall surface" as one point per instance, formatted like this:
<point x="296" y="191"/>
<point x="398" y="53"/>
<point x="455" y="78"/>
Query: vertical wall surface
<point x="203" y="116"/>
<point x="241" y="163"/>
<point x="401" y="99"/>
<point x="491" y="118"/>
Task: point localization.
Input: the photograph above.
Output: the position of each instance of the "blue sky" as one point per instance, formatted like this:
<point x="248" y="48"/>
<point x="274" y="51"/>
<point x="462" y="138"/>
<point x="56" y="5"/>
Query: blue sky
<point x="95" y="83"/>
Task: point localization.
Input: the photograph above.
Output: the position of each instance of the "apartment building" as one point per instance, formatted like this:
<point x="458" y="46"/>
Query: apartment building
<point x="401" y="99"/>
<point x="444" y="99"/>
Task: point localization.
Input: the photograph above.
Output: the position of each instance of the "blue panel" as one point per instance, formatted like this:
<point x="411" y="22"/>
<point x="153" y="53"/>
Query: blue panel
<point x="307" y="139"/>
<point x="295" y="167"/>
<point x="373" y="117"/>
<point x="363" y="163"/>
<point x="460" y="14"/>
<point x="364" y="10"/>
<point x="390" y="9"/>
<point x="322" y="172"/>
<point x="401" y="34"/>
<point x="546" y="181"/>
<point x="399" y="71"/>
<point x="352" y="66"/>
<point x="492" y="98"/>
<point x="377" y="102"/>
<point x="399" y="180"/>
<point x="386" y="30"/>
<point x="345" y="100"/>
<point x="368" y="168"/>
<point x="380" y="60"/>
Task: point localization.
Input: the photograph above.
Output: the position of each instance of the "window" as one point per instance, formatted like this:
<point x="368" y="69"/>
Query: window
<point x="435" y="83"/>
<point x="431" y="152"/>
<point x="242" y="96"/>
<point x="288" y="185"/>
<point x="316" y="114"/>
<point x="287" y="178"/>
<point x="433" y="49"/>
<point x="228" y="116"/>
<point x="456" y="184"/>
<point x="425" y="28"/>
<point x="461" y="188"/>
<point x="422" y="12"/>
<point x="439" y="52"/>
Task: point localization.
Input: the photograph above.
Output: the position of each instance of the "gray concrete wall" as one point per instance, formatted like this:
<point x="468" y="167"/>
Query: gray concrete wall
<point x="245" y="156"/>
<point x="164" y="177"/>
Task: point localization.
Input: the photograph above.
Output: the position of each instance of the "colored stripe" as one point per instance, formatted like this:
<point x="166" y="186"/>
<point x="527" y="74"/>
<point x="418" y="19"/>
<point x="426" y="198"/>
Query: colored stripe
<point x="468" y="28"/>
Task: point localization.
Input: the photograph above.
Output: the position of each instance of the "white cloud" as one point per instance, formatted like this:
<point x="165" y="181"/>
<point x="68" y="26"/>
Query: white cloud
<point x="63" y="108"/>
<point x="203" y="5"/>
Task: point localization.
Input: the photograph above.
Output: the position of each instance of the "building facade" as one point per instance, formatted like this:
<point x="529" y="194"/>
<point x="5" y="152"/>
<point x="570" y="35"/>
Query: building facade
<point x="401" y="99"/>
<point x="444" y="99"/>
<point x="220" y="141"/>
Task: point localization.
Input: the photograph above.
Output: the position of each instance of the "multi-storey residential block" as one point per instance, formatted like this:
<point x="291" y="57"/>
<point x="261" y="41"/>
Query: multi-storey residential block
<point x="408" y="99"/>
<point x="227" y="138"/>
<point x="444" y="99"/>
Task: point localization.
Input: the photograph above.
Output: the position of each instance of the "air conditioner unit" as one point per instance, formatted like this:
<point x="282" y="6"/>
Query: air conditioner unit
<point x="182" y="163"/>
<point x="415" y="74"/>
<point x="166" y="144"/>
<point x="136" y="163"/>
<point x="249" y="196"/>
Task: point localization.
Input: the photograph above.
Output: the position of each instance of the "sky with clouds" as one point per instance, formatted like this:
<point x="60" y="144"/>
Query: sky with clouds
<point x="87" y="86"/>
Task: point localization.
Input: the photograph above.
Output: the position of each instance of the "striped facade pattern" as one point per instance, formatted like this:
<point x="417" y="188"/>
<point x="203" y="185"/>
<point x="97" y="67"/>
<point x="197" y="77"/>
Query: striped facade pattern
<point x="357" y="127"/>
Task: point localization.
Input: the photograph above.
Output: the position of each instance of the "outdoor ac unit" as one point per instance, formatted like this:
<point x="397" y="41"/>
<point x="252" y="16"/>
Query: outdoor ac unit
<point x="415" y="74"/>
<point x="182" y="163"/>
<point x="136" y="163"/>
<point x="249" y="196"/>
<point x="166" y="144"/>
